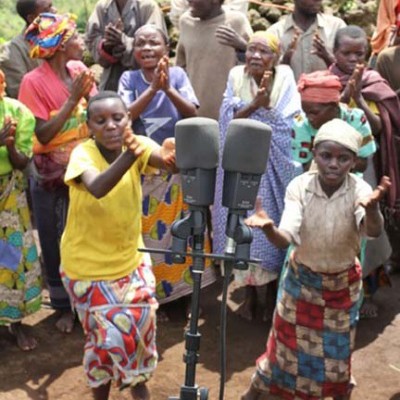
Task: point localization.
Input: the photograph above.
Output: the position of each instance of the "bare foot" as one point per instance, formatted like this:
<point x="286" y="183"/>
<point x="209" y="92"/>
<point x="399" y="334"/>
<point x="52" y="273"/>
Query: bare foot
<point x="66" y="321"/>
<point x="162" y="316"/>
<point x="140" y="392"/>
<point x="248" y="309"/>
<point x="24" y="341"/>
<point x="250" y="394"/>
<point x="368" y="309"/>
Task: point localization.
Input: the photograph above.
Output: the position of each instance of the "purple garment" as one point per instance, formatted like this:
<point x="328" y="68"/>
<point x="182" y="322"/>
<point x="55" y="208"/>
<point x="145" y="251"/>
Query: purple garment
<point x="158" y="120"/>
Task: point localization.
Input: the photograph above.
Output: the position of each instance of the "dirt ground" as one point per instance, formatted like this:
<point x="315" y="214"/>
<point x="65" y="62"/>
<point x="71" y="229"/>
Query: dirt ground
<point x="53" y="371"/>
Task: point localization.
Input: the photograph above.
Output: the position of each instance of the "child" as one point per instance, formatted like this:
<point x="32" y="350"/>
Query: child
<point x="366" y="89"/>
<point x="326" y="211"/>
<point x="209" y="38"/>
<point x="158" y="96"/>
<point x="20" y="281"/>
<point x="110" y="283"/>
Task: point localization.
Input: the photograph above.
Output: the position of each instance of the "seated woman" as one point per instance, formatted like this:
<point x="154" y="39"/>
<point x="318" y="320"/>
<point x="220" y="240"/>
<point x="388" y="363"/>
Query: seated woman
<point x="264" y="91"/>
<point x="366" y="89"/>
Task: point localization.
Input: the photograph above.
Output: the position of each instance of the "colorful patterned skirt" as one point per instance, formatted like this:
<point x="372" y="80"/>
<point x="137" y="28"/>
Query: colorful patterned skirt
<point x="20" y="274"/>
<point x="308" y="354"/>
<point x="162" y="205"/>
<point x="119" y="321"/>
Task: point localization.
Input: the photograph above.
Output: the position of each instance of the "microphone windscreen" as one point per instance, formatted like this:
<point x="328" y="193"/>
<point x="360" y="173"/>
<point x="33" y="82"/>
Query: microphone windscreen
<point x="197" y="143"/>
<point x="246" y="146"/>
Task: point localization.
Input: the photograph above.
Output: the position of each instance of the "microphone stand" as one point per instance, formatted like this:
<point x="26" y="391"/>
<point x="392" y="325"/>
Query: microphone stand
<point x="239" y="240"/>
<point x="194" y="224"/>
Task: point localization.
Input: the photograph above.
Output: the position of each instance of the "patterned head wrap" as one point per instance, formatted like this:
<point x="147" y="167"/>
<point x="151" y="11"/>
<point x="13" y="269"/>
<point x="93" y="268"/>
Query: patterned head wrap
<point x="339" y="131"/>
<point x="2" y="84"/>
<point x="319" y="87"/>
<point x="270" y="40"/>
<point x="48" y="32"/>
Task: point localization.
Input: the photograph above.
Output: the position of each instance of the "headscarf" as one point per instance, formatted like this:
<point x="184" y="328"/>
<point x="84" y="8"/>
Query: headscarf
<point x="319" y="87"/>
<point x="270" y="39"/>
<point x="2" y="84"/>
<point x="339" y="131"/>
<point x="48" y="32"/>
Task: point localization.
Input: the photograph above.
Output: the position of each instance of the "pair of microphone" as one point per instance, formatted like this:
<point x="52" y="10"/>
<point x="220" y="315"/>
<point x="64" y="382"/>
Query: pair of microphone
<point x="244" y="161"/>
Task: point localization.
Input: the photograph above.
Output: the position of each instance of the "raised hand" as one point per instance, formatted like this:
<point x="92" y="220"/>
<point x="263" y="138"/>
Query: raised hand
<point x="7" y="132"/>
<point x="355" y="82"/>
<point x="320" y="49"/>
<point x="229" y="37"/>
<point x="260" y="219"/>
<point x="262" y="98"/>
<point x="168" y="155"/>
<point x="132" y="143"/>
<point x="82" y="85"/>
<point x="287" y="56"/>
<point x="377" y="194"/>
<point x="161" y="75"/>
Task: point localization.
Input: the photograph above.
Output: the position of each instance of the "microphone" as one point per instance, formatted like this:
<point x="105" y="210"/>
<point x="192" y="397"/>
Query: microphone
<point x="197" y="149"/>
<point x="244" y="161"/>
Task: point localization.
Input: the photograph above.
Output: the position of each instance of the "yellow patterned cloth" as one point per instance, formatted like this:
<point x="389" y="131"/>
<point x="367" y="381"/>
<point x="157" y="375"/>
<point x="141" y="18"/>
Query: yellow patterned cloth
<point x="20" y="275"/>
<point x="162" y="205"/>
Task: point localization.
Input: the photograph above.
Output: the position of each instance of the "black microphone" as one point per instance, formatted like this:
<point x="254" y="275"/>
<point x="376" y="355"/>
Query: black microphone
<point x="197" y="148"/>
<point x="244" y="162"/>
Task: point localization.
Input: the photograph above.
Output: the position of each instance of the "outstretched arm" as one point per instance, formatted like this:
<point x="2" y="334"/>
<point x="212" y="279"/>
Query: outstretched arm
<point x="261" y="220"/>
<point x="373" y="220"/>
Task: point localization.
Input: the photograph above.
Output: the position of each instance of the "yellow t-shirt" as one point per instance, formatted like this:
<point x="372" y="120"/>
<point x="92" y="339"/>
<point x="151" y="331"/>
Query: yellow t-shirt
<point x="101" y="236"/>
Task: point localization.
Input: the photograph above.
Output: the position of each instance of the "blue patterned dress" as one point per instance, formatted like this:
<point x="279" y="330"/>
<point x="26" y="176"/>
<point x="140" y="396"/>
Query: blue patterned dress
<point x="281" y="169"/>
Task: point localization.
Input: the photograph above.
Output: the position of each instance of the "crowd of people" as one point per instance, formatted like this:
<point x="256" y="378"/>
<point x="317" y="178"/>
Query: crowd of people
<point x="90" y="164"/>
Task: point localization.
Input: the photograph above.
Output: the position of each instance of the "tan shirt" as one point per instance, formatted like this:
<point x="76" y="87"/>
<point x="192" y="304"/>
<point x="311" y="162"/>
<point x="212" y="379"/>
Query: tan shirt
<point x="207" y="62"/>
<point x="15" y="63"/>
<point x="302" y="60"/>
<point x="326" y="231"/>
<point x="178" y="7"/>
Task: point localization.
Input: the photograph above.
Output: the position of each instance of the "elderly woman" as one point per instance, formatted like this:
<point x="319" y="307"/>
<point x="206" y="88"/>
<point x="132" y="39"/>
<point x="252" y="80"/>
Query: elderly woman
<point x="56" y="93"/>
<point x="20" y="283"/>
<point x="264" y="91"/>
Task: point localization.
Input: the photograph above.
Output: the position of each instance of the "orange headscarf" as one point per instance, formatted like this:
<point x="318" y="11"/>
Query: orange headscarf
<point x="319" y="87"/>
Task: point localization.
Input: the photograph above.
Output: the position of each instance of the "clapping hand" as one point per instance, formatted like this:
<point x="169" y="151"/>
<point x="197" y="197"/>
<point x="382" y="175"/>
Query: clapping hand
<point x="262" y="98"/>
<point x="82" y="85"/>
<point x="320" y="49"/>
<point x="287" y="56"/>
<point x="132" y="143"/>
<point x="229" y="37"/>
<point x="168" y="155"/>
<point x="354" y="85"/>
<point x="161" y="75"/>
<point x="7" y="132"/>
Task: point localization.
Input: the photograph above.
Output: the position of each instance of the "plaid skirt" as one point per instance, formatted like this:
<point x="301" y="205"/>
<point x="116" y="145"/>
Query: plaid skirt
<point x="119" y="321"/>
<point x="308" y="352"/>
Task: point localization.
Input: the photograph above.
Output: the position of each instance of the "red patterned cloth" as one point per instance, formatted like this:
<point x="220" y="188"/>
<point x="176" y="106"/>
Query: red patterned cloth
<point x="119" y="320"/>
<point x="308" y="354"/>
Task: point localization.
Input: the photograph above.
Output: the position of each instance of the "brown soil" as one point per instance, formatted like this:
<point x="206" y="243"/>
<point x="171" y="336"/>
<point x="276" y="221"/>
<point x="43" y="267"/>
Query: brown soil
<point x="53" y="371"/>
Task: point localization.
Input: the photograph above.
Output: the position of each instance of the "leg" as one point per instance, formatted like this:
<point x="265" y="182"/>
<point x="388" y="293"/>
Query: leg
<point x="270" y="300"/>
<point x="248" y="308"/>
<point x="25" y="341"/>
<point x="140" y="392"/>
<point x="50" y="223"/>
<point x="102" y="392"/>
